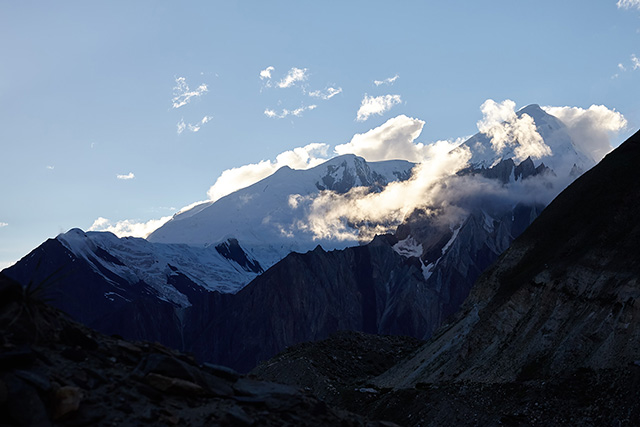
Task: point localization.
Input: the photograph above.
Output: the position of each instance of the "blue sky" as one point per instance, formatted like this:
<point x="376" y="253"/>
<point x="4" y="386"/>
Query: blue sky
<point x="87" y="89"/>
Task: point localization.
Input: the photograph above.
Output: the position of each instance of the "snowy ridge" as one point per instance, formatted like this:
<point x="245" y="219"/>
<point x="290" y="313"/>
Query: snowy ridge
<point x="137" y="260"/>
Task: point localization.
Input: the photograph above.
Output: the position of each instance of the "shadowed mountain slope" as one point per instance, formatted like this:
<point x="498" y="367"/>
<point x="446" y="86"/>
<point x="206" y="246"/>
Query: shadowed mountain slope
<point x="562" y="297"/>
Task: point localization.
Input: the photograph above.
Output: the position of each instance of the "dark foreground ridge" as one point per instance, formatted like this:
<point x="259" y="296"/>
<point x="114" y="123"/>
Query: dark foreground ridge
<point x="57" y="372"/>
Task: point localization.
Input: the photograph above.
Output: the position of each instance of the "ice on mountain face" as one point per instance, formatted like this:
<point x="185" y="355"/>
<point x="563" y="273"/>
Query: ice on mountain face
<point x="427" y="270"/>
<point x="453" y="238"/>
<point x="408" y="248"/>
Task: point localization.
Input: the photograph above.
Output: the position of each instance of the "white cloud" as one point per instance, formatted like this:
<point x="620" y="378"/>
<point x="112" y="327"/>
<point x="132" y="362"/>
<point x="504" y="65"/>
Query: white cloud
<point x="376" y="105"/>
<point x="394" y="139"/>
<point x="635" y="61"/>
<point x="628" y="4"/>
<point x="130" y="175"/>
<point x="285" y="112"/>
<point x="182" y="95"/>
<point x="591" y="128"/>
<point x="270" y="113"/>
<point x="299" y="158"/>
<point x="388" y="81"/>
<point x="360" y="214"/>
<point x="506" y="129"/>
<point x="621" y="67"/>
<point x="294" y="76"/>
<point x="49" y="167"/>
<point x="129" y="227"/>
<point x="329" y="93"/>
<point x="3" y="224"/>
<point x="266" y="73"/>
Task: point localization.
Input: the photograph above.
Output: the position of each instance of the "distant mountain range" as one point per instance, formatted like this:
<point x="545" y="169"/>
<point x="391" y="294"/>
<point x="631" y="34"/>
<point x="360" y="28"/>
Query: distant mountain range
<point x="224" y="280"/>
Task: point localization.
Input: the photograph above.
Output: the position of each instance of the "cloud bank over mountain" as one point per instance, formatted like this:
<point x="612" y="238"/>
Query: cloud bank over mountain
<point x="434" y="184"/>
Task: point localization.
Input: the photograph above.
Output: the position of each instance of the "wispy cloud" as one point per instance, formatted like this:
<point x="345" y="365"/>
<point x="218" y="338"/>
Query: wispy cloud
<point x="192" y="127"/>
<point x="285" y="112"/>
<point x="49" y="167"/>
<point x="376" y="105"/>
<point x="128" y="227"/>
<point x="295" y="75"/>
<point x="621" y="67"/>
<point x="388" y="81"/>
<point x="182" y="95"/>
<point x="236" y="178"/>
<point x="635" y="61"/>
<point x="3" y="224"/>
<point x="628" y="4"/>
<point x="130" y="175"/>
<point x="328" y="93"/>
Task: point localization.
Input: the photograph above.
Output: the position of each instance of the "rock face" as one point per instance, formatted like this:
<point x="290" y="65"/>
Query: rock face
<point x="562" y="297"/>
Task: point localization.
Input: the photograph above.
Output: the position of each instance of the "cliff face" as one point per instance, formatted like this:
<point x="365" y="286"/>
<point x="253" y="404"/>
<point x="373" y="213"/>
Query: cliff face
<point x="562" y="297"/>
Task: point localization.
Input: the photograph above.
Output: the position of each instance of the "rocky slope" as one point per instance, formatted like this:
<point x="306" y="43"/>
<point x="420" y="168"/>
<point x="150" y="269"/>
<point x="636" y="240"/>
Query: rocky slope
<point x="57" y="372"/>
<point x="342" y="369"/>
<point x="562" y="297"/>
<point x="339" y="366"/>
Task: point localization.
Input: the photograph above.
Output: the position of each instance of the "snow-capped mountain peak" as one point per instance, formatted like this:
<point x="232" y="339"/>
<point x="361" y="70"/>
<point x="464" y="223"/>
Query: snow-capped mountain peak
<point x="261" y="216"/>
<point x="563" y="153"/>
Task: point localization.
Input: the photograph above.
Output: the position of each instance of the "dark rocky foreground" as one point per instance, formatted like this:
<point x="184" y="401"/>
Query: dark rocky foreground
<point x="57" y="372"/>
<point x="342" y="371"/>
<point x="338" y="366"/>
